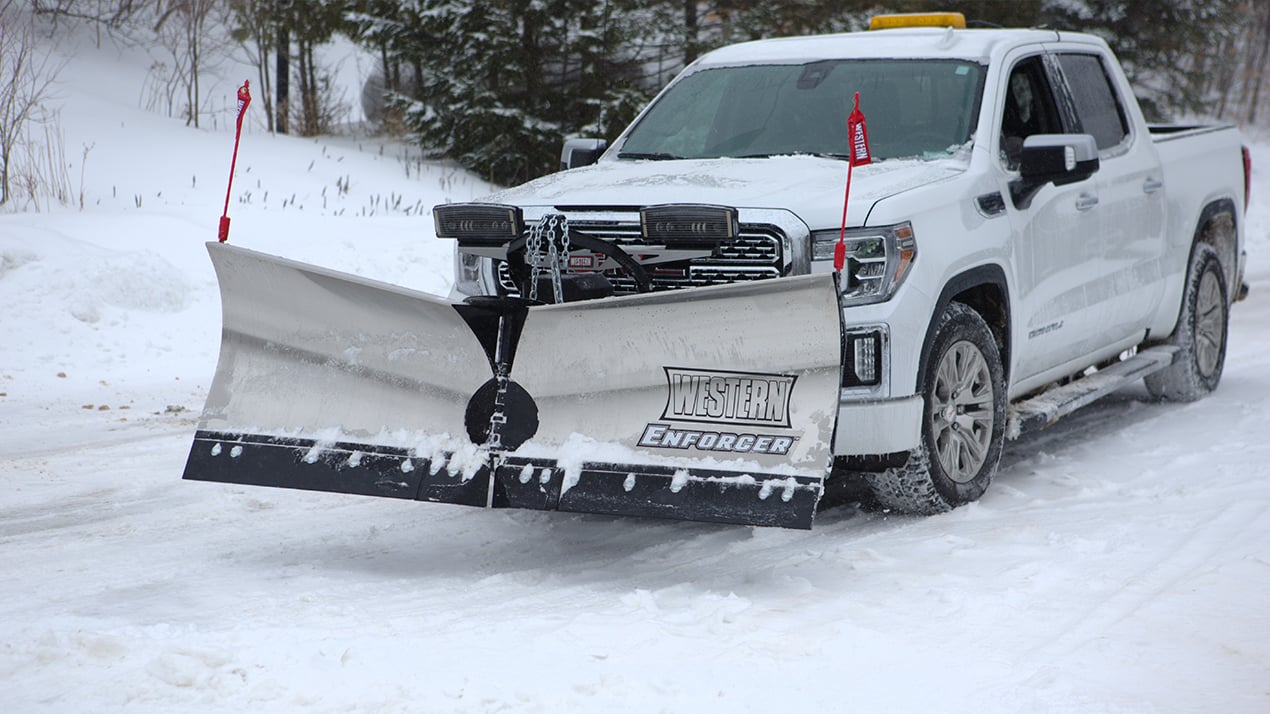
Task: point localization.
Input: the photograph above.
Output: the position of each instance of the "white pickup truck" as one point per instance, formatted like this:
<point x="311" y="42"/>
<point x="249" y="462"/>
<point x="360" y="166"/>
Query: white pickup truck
<point x="1022" y="243"/>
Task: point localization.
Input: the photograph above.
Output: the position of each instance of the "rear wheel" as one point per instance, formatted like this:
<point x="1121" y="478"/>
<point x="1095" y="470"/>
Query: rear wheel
<point x="963" y="424"/>
<point x="1200" y="335"/>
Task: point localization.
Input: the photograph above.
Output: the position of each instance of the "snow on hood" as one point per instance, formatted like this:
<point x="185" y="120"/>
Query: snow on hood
<point x="811" y="187"/>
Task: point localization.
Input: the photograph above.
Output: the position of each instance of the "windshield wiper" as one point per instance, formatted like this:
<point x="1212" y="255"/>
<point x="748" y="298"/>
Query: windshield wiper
<point x="817" y="154"/>
<point x="656" y="156"/>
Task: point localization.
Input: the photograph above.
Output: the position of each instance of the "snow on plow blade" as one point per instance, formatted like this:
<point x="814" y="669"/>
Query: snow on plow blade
<point x="711" y="404"/>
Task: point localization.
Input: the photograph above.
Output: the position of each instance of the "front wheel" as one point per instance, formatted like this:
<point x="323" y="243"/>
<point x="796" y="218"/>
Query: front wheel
<point x="1200" y="335"/>
<point x="963" y="424"/>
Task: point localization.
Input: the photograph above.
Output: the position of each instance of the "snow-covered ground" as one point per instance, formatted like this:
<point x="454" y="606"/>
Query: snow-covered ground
<point x="1120" y="563"/>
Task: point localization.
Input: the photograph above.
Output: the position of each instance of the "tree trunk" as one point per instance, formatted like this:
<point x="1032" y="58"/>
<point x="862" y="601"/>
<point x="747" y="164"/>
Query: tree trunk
<point x="194" y="35"/>
<point x="308" y="90"/>
<point x="1263" y="45"/>
<point x="266" y="90"/>
<point x="691" y="31"/>
<point x="283" y="83"/>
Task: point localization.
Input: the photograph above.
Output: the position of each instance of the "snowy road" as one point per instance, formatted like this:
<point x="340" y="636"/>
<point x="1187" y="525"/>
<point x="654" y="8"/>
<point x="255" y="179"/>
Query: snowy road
<point x="1118" y="564"/>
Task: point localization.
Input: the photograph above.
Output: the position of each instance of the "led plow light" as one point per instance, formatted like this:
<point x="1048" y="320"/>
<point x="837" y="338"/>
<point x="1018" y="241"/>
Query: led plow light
<point x="478" y="223"/>
<point x="878" y="260"/>
<point x="688" y="225"/>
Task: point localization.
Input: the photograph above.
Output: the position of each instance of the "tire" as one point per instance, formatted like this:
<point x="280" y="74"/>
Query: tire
<point x="962" y="434"/>
<point x="1200" y="335"/>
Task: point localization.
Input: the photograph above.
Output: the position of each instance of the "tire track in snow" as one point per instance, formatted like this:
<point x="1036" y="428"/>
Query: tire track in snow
<point x="1187" y="555"/>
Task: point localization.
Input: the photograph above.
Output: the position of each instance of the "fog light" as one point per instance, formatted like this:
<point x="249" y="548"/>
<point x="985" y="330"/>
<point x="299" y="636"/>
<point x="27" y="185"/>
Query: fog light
<point x="471" y="267"/>
<point x="865" y="369"/>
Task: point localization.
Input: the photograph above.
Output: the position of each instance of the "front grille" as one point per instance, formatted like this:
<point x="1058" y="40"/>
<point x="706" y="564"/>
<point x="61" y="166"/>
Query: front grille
<point x="755" y="254"/>
<point x="694" y="277"/>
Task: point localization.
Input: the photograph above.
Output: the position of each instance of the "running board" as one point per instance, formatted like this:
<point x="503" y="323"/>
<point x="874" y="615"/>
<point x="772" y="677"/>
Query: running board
<point x="1040" y="411"/>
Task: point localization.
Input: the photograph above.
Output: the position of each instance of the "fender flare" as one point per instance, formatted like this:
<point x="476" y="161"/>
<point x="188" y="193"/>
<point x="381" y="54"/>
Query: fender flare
<point x="1211" y="210"/>
<point x="989" y="274"/>
<point x="1229" y="254"/>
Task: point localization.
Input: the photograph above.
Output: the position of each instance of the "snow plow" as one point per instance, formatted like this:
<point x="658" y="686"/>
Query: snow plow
<point x="710" y="404"/>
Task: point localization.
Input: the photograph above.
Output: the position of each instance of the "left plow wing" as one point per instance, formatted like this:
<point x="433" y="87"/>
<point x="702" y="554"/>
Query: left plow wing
<point x="713" y="404"/>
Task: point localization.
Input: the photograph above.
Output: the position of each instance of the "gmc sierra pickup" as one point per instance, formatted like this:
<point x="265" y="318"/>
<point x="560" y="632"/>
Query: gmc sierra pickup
<point x="1022" y="244"/>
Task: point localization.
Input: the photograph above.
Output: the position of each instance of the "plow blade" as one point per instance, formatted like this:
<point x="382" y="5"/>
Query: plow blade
<point x="713" y="404"/>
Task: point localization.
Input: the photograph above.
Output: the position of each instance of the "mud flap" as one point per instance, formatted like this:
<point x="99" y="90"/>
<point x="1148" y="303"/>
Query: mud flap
<point x="714" y="404"/>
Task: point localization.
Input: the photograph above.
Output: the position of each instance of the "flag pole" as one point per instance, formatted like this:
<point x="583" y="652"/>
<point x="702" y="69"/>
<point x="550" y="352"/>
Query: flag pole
<point x="244" y="98"/>
<point x="840" y="248"/>
<point x="858" y="135"/>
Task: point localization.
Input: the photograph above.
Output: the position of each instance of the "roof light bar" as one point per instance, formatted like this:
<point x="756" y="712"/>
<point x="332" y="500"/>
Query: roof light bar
<point x="918" y="19"/>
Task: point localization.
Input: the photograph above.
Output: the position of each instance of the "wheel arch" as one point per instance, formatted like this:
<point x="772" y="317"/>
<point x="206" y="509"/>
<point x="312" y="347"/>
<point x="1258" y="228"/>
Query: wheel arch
<point x="1217" y="226"/>
<point x="985" y="290"/>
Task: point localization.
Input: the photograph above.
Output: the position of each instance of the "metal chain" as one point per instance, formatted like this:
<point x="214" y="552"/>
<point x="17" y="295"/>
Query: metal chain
<point x="553" y="257"/>
<point x="533" y="255"/>
<point x="564" y="240"/>
<point x="549" y="227"/>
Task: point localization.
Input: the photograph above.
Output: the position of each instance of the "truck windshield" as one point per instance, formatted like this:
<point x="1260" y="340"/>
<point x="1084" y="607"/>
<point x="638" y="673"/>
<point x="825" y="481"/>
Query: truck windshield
<point x="914" y="108"/>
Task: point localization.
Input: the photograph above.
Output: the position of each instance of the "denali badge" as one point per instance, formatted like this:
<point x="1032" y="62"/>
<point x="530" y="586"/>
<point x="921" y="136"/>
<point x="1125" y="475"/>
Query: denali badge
<point x="742" y="398"/>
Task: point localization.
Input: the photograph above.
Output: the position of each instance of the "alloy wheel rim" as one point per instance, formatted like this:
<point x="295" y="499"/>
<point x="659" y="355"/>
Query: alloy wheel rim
<point x="962" y="414"/>
<point x="1209" y="318"/>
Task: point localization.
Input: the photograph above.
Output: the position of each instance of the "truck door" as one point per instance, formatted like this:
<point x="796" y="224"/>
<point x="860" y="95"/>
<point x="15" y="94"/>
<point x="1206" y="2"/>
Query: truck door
<point x="1130" y="183"/>
<point x="1055" y="237"/>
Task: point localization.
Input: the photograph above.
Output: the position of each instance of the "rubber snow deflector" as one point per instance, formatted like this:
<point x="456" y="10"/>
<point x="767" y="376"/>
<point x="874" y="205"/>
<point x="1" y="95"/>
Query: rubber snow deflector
<point x="710" y="404"/>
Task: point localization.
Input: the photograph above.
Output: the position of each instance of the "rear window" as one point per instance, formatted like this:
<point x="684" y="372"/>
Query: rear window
<point x="1097" y="106"/>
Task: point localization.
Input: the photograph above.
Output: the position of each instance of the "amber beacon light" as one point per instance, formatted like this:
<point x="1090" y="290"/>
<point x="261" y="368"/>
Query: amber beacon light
<point x="918" y="19"/>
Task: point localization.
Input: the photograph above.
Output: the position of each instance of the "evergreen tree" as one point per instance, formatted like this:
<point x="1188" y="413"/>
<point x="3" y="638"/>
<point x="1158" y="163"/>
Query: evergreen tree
<point x="499" y="83"/>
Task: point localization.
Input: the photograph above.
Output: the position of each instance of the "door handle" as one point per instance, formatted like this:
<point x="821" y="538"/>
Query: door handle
<point x="1152" y="184"/>
<point x="1086" y="201"/>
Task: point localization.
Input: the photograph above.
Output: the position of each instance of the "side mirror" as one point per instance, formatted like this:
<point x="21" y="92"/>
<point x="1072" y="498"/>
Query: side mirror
<point x="581" y="152"/>
<point x="1059" y="159"/>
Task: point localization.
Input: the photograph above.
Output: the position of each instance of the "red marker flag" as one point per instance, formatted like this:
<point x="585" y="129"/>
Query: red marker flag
<point x="244" y="99"/>
<point x="858" y="156"/>
<point x="859" y="134"/>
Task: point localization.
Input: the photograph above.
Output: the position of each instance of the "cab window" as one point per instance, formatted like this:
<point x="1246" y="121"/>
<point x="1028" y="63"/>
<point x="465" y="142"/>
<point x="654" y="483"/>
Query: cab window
<point x="1029" y="109"/>
<point x="1097" y="106"/>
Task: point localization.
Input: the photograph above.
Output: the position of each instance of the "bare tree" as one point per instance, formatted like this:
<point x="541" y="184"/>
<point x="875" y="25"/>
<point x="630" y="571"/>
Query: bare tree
<point x="1256" y="73"/>
<point x="255" y="34"/>
<point x="111" y="14"/>
<point x="193" y="33"/>
<point x="26" y="81"/>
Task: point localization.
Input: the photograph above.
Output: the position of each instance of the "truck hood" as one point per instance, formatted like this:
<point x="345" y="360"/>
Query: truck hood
<point x="808" y="186"/>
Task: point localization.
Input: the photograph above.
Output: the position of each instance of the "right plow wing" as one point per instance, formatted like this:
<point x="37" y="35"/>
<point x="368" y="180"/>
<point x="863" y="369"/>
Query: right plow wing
<point x="713" y="404"/>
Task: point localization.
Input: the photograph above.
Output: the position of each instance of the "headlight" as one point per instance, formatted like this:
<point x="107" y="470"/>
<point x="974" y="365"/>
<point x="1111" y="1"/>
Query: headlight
<point x="878" y="260"/>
